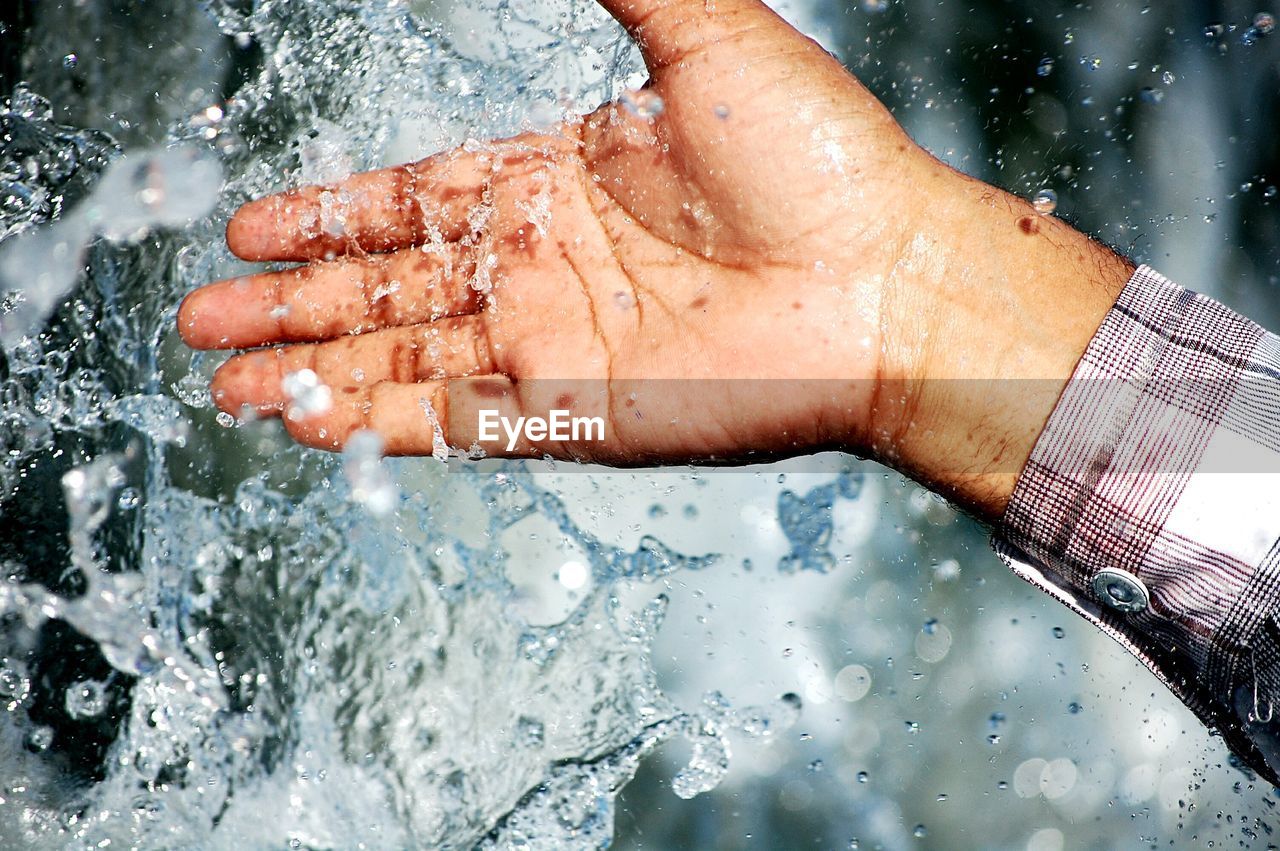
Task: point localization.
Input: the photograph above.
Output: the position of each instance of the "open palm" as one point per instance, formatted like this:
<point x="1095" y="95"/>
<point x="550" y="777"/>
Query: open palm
<point x="704" y="266"/>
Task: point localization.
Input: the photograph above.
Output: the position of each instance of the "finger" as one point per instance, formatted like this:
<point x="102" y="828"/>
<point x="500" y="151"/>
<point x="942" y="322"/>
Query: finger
<point x="326" y="300"/>
<point x="374" y="211"/>
<point x="448" y="348"/>
<point x="669" y="31"/>
<point x="418" y="419"/>
<point x="408" y="417"/>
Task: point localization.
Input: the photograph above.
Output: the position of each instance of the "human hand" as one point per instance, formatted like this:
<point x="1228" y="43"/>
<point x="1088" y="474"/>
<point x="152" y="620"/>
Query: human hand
<point x="772" y="222"/>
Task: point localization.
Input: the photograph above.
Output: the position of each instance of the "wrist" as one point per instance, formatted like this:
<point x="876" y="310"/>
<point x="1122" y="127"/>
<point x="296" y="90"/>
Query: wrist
<point x="988" y="315"/>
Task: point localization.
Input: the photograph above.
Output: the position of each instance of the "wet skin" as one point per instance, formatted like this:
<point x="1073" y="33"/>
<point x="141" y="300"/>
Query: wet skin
<point x="772" y="222"/>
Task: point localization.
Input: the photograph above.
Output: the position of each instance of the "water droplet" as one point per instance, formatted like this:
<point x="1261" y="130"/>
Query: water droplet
<point x="913" y="727"/>
<point x="863" y="777"/>
<point x="1264" y="23"/>
<point x="920" y="832"/>
<point x="14" y="687"/>
<point x="307" y="394"/>
<point x="1214" y="30"/>
<point x="1074" y="707"/>
<point x="721" y="111"/>
<point x="930" y="626"/>
<point x="643" y="103"/>
<point x="224" y="419"/>
<point x="942" y="796"/>
<point x="70" y="61"/>
<point x="148" y="807"/>
<point x="852" y="683"/>
<point x="707" y="766"/>
<point x="1045" y="68"/>
<point x="573" y="575"/>
<point x="996" y="720"/>
<point x="372" y="484"/>
<point x="39" y="739"/>
<point x="947" y="570"/>
<point x="86" y="699"/>
<point x="1059" y="632"/>
<point x="816" y="766"/>
<point x="1151" y="95"/>
<point x="530" y="732"/>
<point x="993" y="739"/>
<point x="875" y="6"/>
<point x="1045" y="201"/>
<point x="243" y="39"/>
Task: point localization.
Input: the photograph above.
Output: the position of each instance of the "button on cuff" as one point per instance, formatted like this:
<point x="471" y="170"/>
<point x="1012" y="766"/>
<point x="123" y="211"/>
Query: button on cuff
<point x="1120" y="590"/>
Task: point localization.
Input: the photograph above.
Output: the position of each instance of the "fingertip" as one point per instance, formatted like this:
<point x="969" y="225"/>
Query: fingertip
<point x="316" y="432"/>
<point x="188" y="321"/>
<point x="250" y="231"/>
<point x="248" y="382"/>
<point x="219" y="397"/>
<point x="200" y="322"/>
<point x="223" y="387"/>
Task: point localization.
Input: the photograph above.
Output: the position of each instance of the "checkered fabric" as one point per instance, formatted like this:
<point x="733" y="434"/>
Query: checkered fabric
<point x="1162" y="458"/>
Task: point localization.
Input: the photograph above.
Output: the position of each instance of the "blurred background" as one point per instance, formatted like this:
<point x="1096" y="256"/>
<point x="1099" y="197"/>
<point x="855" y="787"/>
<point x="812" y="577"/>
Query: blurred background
<point x="945" y="703"/>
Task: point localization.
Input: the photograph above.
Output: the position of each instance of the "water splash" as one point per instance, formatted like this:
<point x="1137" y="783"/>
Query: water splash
<point x="371" y="483"/>
<point x="335" y="640"/>
<point x="808" y="523"/>
<point x="163" y="187"/>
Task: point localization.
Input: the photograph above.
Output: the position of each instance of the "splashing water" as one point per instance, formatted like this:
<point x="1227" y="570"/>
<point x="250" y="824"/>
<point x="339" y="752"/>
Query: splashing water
<point x="308" y="396"/>
<point x="165" y="187"/>
<point x="296" y="650"/>
<point x="336" y="641"/>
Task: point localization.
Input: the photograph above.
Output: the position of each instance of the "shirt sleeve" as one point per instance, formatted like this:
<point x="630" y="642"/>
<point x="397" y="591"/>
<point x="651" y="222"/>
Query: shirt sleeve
<point x="1151" y="504"/>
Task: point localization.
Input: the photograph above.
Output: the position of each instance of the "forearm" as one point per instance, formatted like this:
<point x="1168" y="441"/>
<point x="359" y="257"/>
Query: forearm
<point x="992" y="312"/>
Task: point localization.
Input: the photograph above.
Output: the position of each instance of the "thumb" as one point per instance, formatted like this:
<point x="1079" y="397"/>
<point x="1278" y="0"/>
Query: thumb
<point x="670" y="31"/>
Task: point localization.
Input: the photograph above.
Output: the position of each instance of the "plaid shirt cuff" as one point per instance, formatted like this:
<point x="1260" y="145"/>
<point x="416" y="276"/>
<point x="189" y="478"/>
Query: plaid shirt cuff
<point x="1161" y="461"/>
